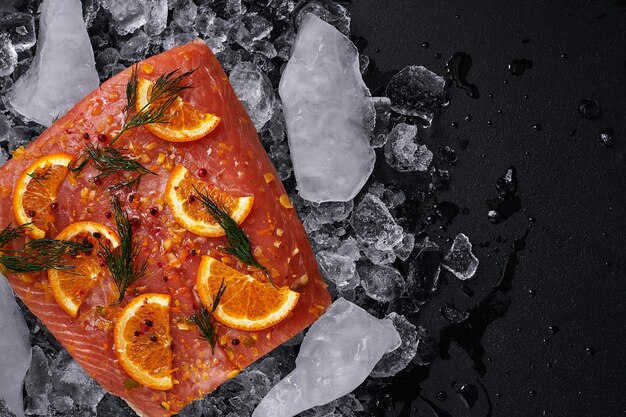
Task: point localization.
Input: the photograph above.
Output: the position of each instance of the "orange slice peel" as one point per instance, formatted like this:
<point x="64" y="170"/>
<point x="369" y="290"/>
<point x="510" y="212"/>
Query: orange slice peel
<point x="189" y="212"/>
<point x="143" y="342"/>
<point x="247" y="303"/>
<point x="70" y="287"/>
<point x="35" y="193"/>
<point x="185" y="123"/>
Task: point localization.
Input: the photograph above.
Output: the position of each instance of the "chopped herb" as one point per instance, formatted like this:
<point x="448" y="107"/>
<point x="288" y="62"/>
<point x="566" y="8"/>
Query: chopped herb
<point x="237" y="242"/>
<point x="204" y="320"/>
<point x="38" y="177"/>
<point x="110" y="160"/>
<point x="12" y="232"/>
<point x="163" y="94"/>
<point x="121" y="261"/>
<point x="42" y="254"/>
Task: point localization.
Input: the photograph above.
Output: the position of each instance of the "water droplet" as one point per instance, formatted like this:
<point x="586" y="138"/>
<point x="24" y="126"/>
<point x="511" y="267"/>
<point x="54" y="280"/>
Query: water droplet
<point x="469" y="118"/>
<point x="532" y="293"/>
<point x="589" y="108"/>
<point x="468" y="394"/>
<point x="564" y="56"/>
<point x="537" y="127"/>
<point x="606" y="137"/>
<point x="590" y="351"/>
<point x="442" y="396"/>
<point x="553" y="329"/>
<point x="425" y="45"/>
<point x="454" y="125"/>
<point x="532" y="392"/>
<point x="517" y="67"/>
<point x="458" y="67"/>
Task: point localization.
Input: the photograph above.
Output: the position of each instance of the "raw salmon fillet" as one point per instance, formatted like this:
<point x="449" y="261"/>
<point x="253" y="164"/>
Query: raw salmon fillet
<point x="235" y="162"/>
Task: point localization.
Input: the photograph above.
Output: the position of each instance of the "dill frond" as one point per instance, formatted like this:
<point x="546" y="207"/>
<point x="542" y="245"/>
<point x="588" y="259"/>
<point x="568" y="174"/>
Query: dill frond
<point x="237" y="242"/>
<point x="121" y="261"/>
<point x="204" y="320"/>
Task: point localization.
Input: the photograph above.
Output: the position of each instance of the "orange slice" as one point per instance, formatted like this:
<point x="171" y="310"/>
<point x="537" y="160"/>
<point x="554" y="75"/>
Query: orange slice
<point x="35" y="192"/>
<point x="185" y="123"/>
<point x="247" y="303"/>
<point x="189" y="211"/>
<point x="143" y="342"/>
<point x="70" y="287"/>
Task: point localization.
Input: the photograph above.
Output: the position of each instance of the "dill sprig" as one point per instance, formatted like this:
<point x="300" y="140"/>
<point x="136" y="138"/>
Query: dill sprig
<point x="110" y="160"/>
<point x="42" y="254"/>
<point x="204" y="320"/>
<point x="237" y="242"/>
<point x="12" y="232"/>
<point x="163" y="94"/>
<point x="121" y="261"/>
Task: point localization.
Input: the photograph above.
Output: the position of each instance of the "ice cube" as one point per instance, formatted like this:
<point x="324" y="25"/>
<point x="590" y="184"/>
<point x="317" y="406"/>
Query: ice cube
<point x="416" y="91"/>
<point x="72" y="386"/>
<point x="378" y="233"/>
<point x="329" y="11"/>
<point x="402" y="151"/>
<point x="20" y="27"/>
<point x="112" y="406"/>
<point x="255" y="91"/>
<point x="332" y="211"/>
<point x="252" y="32"/>
<point x="340" y="266"/>
<point x="5" y="410"/>
<point x="63" y="70"/>
<point x="451" y="313"/>
<point x="185" y="14"/>
<point x="15" y="351"/>
<point x="128" y="16"/>
<point x="8" y="56"/>
<point x="279" y="154"/>
<point x="426" y="347"/>
<point x="460" y="260"/>
<point x="339" y="351"/>
<point x="135" y="48"/>
<point x="425" y="268"/>
<point x="381" y="282"/>
<point x="383" y="116"/>
<point x="37" y="384"/>
<point x="395" y="361"/>
<point x="329" y="114"/>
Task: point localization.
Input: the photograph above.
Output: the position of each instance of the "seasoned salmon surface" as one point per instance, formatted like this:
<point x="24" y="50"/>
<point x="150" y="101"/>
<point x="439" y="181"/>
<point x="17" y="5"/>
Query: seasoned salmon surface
<point x="236" y="163"/>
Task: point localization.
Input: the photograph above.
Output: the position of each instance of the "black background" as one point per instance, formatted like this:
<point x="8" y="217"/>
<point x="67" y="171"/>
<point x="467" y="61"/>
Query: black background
<point x="573" y="185"/>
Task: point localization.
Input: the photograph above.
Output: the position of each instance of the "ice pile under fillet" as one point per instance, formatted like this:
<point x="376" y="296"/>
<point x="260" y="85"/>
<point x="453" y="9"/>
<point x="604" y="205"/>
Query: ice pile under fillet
<point x="63" y="70"/>
<point x="329" y="114"/>
<point x="337" y="354"/>
<point x="14" y="349"/>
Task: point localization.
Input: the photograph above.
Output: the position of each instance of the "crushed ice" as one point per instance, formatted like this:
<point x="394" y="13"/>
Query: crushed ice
<point x="371" y="247"/>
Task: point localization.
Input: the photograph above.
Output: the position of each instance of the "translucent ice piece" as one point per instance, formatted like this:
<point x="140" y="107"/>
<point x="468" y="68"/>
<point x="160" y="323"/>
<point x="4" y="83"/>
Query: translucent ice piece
<point x="381" y="282"/>
<point x="460" y="260"/>
<point x="8" y="56"/>
<point x="395" y="361"/>
<point x="128" y="16"/>
<point x="255" y="91"/>
<point x="14" y="349"/>
<point x="416" y="91"/>
<point x="402" y="151"/>
<point x="329" y="114"/>
<point x="21" y="30"/>
<point x="64" y="69"/>
<point x="337" y="354"/>
<point x="340" y="266"/>
<point x="37" y="384"/>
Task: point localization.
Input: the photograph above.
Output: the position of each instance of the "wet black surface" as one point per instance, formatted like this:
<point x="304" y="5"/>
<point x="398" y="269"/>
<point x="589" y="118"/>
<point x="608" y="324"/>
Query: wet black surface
<point x="566" y="272"/>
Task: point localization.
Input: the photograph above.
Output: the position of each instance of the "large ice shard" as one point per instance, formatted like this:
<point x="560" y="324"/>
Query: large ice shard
<point x="337" y="354"/>
<point x="63" y="70"/>
<point x="329" y="114"/>
<point x="14" y="349"/>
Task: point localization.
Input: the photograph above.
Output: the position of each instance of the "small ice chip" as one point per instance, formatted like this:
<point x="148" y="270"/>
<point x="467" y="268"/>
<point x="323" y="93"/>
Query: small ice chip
<point x="424" y="269"/>
<point x="337" y="354"/>
<point x="329" y="114"/>
<point x="402" y="151"/>
<point x="340" y="266"/>
<point x="417" y="91"/>
<point x="396" y="360"/>
<point x="63" y="70"/>
<point x="381" y="282"/>
<point x="8" y="56"/>
<point x="255" y="91"/>
<point x="135" y="48"/>
<point x="20" y="27"/>
<point x="37" y="384"/>
<point x="460" y="260"/>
